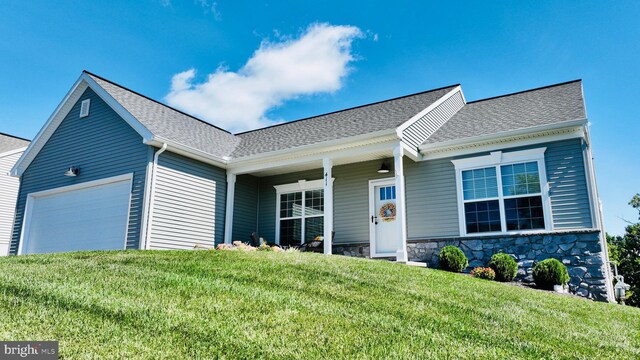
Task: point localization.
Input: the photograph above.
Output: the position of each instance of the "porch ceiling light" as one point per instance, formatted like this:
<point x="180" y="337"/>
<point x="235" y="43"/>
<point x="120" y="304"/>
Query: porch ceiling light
<point x="384" y="168"/>
<point x="72" y="171"/>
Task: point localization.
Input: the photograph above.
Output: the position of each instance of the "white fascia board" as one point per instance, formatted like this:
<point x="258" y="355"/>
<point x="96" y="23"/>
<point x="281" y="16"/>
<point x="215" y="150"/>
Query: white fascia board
<point x="188" y="151"/>
<point x="429" y="108"/>
<point x="294" y="158"/>
<point x="501" y="142"/>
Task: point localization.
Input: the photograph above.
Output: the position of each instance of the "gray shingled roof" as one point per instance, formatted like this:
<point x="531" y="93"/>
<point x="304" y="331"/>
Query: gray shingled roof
<point x="365" y="119"/>
<point x="171" y="124"/>
<point x="9" y="142"/>
<point x="544" y="106"/>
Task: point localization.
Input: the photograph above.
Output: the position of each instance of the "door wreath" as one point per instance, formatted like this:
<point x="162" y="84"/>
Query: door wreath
<point x="388" y="212"/>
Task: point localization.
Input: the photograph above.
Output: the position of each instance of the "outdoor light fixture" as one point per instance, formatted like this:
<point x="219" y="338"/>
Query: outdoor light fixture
<point x="384" y="168"/>
<point x="72" y="171"/>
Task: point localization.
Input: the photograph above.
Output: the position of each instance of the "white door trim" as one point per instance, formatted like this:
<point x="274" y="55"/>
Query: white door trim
<point x="372" y="212"/>
<point x="26" y="223"/>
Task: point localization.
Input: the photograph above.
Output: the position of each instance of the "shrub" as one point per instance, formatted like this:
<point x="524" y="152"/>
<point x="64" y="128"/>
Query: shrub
<point x="504" y="265"/>
<point x="452" y="259"/>
<point x="483" y="273"/>
<point x="550" y="272"/>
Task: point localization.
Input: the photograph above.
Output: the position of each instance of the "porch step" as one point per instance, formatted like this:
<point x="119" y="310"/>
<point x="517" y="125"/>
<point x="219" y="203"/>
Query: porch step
<point x="413" y="263"/>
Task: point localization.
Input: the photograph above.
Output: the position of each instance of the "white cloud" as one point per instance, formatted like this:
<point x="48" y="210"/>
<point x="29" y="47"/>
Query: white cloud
<point x="315" y="62"/>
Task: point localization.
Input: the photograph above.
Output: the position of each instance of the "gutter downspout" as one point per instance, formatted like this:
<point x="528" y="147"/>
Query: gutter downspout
<point x="152" y="194"/>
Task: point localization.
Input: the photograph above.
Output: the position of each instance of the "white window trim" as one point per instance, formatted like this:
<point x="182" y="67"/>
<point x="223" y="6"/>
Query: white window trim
<point x="497" y="159"/>
<point x="300" y="186"/>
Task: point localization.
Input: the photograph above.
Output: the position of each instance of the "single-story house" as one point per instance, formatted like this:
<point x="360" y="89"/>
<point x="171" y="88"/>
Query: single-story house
<point x="399" y="179"/>
<point x="11" y="148"/>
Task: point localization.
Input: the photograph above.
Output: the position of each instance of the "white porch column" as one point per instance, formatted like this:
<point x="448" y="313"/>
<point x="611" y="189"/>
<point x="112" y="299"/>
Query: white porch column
<point x="401" y="212"/>
<point x="228" y="215"/>
<point x="328" y="205"/>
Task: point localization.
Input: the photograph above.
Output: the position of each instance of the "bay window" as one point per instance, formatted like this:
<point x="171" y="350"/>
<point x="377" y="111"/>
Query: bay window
<point x="503" y="193"/>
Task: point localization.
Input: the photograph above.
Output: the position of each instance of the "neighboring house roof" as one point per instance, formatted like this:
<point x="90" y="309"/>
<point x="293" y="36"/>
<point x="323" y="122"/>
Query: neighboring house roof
<point x="548" y="105"/>
<point x="10" y="143"/>
<point x="168" y="123"/>
<point x="365" y="119"/>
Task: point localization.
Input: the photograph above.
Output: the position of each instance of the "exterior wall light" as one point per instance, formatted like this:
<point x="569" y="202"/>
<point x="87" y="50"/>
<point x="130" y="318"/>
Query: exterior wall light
<point x="384" y="168"/>
<point x="72" y="171"/>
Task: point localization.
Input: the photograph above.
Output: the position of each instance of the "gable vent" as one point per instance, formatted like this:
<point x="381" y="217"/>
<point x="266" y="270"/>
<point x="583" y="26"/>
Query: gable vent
<point x="84" y="108"/>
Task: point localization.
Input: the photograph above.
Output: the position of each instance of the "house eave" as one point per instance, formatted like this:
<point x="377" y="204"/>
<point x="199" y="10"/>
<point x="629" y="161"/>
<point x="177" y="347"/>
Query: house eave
<point x="187" y="151"/>
<point x="363" y="139"/>
<point x="569" y="129"/>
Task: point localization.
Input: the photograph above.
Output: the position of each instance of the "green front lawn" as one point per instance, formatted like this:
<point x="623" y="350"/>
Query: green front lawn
<point x="206" y="304"/>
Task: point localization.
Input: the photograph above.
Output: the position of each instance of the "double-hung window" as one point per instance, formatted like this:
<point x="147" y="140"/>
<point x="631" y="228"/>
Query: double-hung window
<point x="503" y="193"/>
<point x="300" y="212"/>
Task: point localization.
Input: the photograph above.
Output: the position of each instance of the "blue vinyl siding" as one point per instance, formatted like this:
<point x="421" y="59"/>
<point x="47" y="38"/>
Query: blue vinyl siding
<point x="568" y="185"/>
<point x="432" y="209"/>
<point x="102" y="145"/>
<point x="245" y="208"/>
<point x="189" y="203"/>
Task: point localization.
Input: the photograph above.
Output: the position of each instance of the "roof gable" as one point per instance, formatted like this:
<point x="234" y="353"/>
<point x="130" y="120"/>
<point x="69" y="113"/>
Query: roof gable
<point x="168" y="124"/>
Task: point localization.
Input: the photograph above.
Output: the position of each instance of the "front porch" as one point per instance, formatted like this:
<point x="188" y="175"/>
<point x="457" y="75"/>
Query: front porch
<point x="334" y="197"/>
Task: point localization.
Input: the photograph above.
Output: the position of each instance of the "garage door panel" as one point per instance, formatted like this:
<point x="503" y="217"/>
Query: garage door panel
<point x="91" y="218"/>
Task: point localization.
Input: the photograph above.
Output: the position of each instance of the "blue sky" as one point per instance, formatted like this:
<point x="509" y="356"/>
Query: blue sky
<point x="386" y="50"/>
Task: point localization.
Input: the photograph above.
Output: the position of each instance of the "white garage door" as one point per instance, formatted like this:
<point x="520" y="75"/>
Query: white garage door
<point x="89" y="216"/>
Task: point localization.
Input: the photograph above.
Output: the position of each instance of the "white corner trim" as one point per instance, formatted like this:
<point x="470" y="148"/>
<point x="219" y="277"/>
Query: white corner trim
<point x="426" y="110"/>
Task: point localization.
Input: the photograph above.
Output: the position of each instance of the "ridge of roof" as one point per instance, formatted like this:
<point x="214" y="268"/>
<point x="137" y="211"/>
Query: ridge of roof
<point x="525" y="91"/>
<point x="348" y="109"/>
<point x="156" y="101"/>
<point x="14" y="136"/>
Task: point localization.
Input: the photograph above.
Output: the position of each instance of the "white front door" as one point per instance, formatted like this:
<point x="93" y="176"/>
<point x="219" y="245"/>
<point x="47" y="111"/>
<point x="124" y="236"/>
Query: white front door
<point x="383" y="218"/>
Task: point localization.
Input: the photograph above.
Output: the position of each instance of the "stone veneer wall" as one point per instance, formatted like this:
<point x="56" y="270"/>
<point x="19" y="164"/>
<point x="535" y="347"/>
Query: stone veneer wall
<point x="580" y="251"/>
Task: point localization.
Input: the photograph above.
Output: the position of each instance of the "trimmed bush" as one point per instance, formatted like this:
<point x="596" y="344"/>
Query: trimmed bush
<point x="550" y="272"/>
<point x="505" y="267"/>
<point x="452" y="259"/>
<point x="483" y="273"/>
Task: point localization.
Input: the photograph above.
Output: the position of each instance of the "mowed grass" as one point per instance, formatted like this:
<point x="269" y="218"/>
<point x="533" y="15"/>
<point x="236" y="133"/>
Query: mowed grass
<point x="230" y="304"/>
